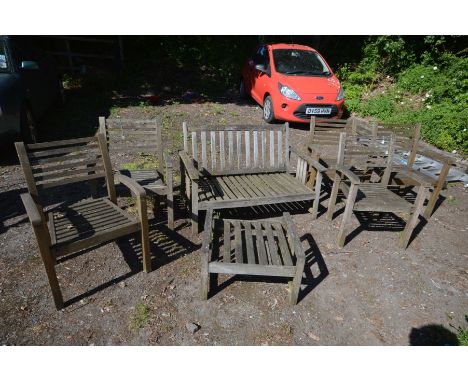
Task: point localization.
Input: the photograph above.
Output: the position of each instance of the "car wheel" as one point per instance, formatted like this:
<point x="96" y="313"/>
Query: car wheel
<point x="242" y="92"/>
<point x="268" y="112"/>
<point x="28" y="125"/>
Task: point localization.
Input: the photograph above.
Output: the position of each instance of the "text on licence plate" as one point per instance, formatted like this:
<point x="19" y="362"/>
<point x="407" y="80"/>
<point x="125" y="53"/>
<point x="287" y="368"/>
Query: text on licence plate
<point x="318" y="110"/>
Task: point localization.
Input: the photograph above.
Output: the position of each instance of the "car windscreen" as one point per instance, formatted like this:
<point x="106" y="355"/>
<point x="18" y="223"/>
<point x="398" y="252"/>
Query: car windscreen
<point x="3" y="58"/>
<point x="299" y="62"/>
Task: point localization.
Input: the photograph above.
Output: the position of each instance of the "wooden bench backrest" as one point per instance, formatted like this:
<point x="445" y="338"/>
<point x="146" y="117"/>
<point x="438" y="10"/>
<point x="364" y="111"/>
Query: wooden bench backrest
<point x="131" y="136"/>
<point x="238" y="149"/>
<point x="406" y="137"/>
<point x="51" y="164"/>
<point x="366" y="152"/>
<point x="326" y="132"/>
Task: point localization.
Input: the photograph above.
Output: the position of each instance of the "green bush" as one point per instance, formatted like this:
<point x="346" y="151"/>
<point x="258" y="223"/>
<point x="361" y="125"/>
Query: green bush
<point x="429" y="87"/>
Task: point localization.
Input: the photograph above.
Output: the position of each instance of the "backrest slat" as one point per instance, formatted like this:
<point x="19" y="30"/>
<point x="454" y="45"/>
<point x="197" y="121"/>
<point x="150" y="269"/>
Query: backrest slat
<point x="222" y="158"/>
<point x="240" y="148"/>
<point x="129" y="136"/>
<point x="51" y="164"/>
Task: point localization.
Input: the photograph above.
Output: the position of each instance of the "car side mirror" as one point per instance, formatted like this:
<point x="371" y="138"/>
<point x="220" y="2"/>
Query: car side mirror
<point x="29" y="65"/>
<point x="260" y="68"/>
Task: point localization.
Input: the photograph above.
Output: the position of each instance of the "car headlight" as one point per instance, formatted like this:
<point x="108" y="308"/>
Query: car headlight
<point x="288" y="92"/>
<point x="340" y="95"/>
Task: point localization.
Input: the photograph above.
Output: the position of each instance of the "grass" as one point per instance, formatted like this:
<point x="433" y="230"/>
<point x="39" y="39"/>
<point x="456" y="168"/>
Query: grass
<point x="140" y="317"/>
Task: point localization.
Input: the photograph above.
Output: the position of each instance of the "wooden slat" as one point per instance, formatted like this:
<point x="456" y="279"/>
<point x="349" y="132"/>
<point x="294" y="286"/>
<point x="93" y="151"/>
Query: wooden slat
<point x="45" y="177"/>
<point x="249" y="243"/>
<point x="64" y="150"/>
<point x="203" y="148"/>
<point x="238" y="243"/>
<point x="255" y="147"/>
<point x="62" y="159"/>
<point x="275" y="259"/>
<point x="213" y="149"/>
<point x="71" y="180"/>
<point x="222" y="154"/>
<point x="247" y="149"/>
<point x="272" y="148"/>
<point x="194" y="146"/>
<point x="239" y="149"/>
<point x="285" y="252"/>
<point x="227" y="242"/>
<point x="262" y="257"/>
<point x="231" y="148"/>
<point x="280" y="147"/>
<point x="66" y="142"/>
<point x="263" y="148"/>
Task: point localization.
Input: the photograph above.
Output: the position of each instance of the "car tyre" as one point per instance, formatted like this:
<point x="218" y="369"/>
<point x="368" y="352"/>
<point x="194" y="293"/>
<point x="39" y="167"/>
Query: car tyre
<point x="242" y="92"/>
<point x="268" y="112"/>
<point x="28" y="125"/>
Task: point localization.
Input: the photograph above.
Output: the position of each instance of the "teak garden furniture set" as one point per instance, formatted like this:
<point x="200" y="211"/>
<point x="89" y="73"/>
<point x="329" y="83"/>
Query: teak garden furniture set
<point x="221" y="167"/>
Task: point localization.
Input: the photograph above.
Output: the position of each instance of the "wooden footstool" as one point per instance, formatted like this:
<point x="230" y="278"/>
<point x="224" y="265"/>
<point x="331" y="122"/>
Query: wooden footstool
<point x="245" y="247"/>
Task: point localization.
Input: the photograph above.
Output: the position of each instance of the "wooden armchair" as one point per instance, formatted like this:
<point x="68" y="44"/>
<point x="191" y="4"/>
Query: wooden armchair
<point x="72" y="227"/>
<point x="408" y="146"/>
<point x="129" y="137"/>
<point x="244" y="166"/>
<point x="357" y="157"/>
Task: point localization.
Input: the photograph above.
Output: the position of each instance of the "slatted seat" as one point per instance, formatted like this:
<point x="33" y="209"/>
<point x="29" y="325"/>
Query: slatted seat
<point x="87" y="221"/>
<point x="133" y="138"/>
<point x="378" y="198"/>
<point x="261" y="248"/>
<point x="244" y="166"/>
<point x="357" y="157"/>
<point x="235" y="190"/>
<point x="72" y="227"/>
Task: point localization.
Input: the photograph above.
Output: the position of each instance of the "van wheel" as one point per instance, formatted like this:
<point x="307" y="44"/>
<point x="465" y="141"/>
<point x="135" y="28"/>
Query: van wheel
<point x="268" y="112"/>
<point x="28" y="125"/>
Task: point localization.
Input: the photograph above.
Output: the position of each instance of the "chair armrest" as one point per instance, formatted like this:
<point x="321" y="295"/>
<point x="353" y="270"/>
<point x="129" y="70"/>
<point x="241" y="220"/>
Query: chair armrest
<point x="34" y="215"/>
<point x="291" y="231"/>
<point x="348" y="173"/>
<point x="188" y="164"/>
<point x="435" y="155"/>
<point x="168" y="160"/>
<point x="413" y="174"/>
<point x="311" y="161"/>
<point x="131" y="184"/>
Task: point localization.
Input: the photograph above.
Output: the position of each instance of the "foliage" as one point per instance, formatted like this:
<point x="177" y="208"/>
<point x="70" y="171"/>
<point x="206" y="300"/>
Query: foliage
<point x="404" y="80"/>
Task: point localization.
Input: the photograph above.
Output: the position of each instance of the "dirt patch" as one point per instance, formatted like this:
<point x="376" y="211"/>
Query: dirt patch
<point x="368" y="293"/>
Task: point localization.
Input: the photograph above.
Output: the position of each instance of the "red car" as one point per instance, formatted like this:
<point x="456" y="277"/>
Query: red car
<point x="292" y="83"/>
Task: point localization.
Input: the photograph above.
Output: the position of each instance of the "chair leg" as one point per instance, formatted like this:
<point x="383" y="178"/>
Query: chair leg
<point x="205" y="278"/>
<point x="296" y="283"/>
<point x="334" y="194"/>
<point x="436" y="192"/>
<point x="49" y="262"/>
<point x="412" y="221"/>
<point x="346" y="216"/>
<point x="194" y="211"/>
<point x="145" y="245"/>
<point x="318" y="185"/>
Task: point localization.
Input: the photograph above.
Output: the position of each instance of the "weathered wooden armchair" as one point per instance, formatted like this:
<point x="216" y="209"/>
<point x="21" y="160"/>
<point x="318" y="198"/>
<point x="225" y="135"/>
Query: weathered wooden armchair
<point x="243" y="166"/>
<point x="360" y="160"/>
<point x="71" y="227"/>
<point x="408" y="146"/>
<point x="128" y="137"/>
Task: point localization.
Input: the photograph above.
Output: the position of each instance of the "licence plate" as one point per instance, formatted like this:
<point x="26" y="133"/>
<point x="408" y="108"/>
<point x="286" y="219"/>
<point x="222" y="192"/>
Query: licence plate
<point x="318" y="110"/>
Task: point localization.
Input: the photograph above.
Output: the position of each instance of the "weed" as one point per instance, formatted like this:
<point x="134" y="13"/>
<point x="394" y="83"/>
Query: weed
<point x="140" y="317"/>
<point x="451" y="200"/>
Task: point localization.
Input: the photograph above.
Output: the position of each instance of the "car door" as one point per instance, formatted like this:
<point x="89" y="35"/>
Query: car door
<point x="260" y="81"/>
